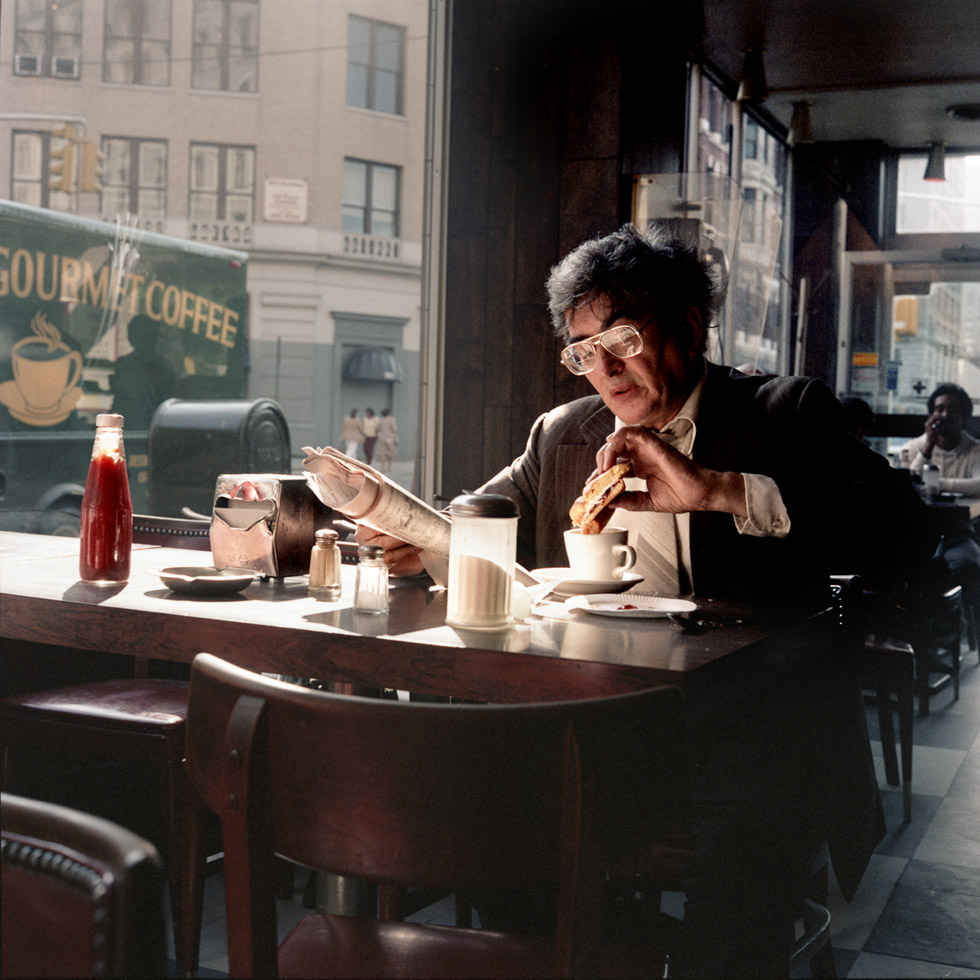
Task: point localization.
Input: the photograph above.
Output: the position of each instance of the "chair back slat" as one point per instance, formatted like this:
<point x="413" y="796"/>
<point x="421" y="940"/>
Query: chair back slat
<point x="355" y="782"/>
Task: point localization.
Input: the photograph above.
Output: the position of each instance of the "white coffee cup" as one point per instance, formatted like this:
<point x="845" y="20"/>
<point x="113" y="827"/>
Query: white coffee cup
<point x="599" y="557"/>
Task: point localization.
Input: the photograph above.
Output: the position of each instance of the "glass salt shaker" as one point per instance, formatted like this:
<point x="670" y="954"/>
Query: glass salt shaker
<point x="930" y="479"/>
<point x="325" y="565"/>
<point x="371" y="584"/>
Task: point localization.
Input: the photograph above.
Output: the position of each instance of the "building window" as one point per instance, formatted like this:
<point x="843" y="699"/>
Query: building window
<point x="752" y="135"/>
<point x="714" y="130"/>
<point x="137" y="42"/>
<point x="30" y="174"/>
<point x="134" y="178"/>
<point x="226" y="45"/>
<point x="48" y="38"/>
<point x="222" y="183"/>
<point x="950" y="206"/>
<point x="375" y="65"/>
<point x="370" y="198"/>
<point x="27" y="185"/>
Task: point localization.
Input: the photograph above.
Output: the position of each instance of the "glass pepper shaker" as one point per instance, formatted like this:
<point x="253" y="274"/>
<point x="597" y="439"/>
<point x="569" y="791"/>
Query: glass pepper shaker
<point x="325" y="565"/>
<point x="371" y="584"/>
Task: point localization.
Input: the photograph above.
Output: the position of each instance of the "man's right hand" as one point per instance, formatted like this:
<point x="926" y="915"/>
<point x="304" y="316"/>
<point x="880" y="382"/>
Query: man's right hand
<point x="937" y="428"/>
<point x="402" y="559"/>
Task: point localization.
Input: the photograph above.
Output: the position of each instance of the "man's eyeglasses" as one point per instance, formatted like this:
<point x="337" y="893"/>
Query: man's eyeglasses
<point x="622" y="341"/>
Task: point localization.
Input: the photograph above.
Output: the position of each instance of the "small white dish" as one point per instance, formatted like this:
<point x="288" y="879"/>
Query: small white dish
<point x="205" y="580"/>
<point x="563" y="584"/>
<point x="631" y="606"/>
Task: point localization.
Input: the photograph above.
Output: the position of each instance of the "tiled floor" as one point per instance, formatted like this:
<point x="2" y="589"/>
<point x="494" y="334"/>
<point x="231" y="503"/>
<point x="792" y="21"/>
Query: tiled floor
<point x="917" y="911"/>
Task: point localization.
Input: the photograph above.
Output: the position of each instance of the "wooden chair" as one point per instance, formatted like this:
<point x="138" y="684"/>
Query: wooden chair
<point x="930" y="620"/>
<point x="887" y="667"/>
<point x="135" y="719"/>
<point x="82" y="897"/>
<point x="449" y="797"/>
<point x="935" y="632"/>
<point x="887" y="670"/>
<point x="900" y="641"/>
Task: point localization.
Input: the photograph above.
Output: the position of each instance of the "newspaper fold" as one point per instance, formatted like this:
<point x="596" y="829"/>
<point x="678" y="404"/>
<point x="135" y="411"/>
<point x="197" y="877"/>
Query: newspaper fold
<point x="364" y="494"/>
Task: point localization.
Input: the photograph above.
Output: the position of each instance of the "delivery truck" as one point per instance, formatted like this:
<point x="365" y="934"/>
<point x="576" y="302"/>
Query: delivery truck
<point x="97" y="317"/>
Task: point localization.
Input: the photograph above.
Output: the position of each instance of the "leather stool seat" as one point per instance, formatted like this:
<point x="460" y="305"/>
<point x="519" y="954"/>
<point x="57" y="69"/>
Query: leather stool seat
<point x="139" y="704"/>
<point x="405" y="949"/>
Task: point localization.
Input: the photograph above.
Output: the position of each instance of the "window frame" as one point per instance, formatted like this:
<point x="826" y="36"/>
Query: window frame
<point x="368" y="209"/>
<point x="372" y="67"/>
<point x="223" y="48"/>
<point x="134" y="185"/>
<point x="221" y="191"/>
<point x="138" y="40"/>
<point x="50" y="35"/>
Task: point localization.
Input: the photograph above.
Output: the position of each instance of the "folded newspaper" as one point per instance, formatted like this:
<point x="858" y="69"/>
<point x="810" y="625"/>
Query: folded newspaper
<point x="367" y="496"/>
<point x="364" y="494"/>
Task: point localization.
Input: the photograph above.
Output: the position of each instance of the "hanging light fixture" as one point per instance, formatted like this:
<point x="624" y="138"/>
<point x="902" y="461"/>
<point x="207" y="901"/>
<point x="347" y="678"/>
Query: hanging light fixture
<point x="801" y="126"/>
<point x="936" y="165"/>
<point x="753" y="87"/>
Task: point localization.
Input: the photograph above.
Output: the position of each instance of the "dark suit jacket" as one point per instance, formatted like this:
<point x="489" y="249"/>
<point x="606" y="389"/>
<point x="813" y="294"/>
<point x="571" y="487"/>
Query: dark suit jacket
<point x="849" y="512"/>
<point x="806" y="770"/>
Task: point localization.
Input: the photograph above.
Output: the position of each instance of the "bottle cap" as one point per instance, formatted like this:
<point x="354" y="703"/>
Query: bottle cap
<point x="482" y="505"/>
<point x="109" y="419"/>
<point x="326" y="535"/>
<point x="370" y="551"/>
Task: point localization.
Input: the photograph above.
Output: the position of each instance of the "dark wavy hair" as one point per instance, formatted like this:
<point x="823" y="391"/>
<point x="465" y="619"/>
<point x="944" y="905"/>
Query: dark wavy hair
<point x="648" y="272"/>
<point x="961" y="400"/>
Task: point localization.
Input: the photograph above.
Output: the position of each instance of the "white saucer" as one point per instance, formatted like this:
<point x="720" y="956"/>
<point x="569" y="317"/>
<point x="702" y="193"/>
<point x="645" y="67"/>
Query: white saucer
<point x="564" y="585"/>
<point x="11" y="397"/>
<point x="631" y="606"/>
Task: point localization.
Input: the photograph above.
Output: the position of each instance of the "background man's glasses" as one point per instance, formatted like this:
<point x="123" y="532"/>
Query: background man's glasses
<point x="622" y="341"/>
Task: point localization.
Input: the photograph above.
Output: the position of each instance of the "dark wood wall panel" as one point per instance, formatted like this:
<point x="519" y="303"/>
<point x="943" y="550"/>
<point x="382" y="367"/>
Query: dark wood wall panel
<point x="541" y="158"/>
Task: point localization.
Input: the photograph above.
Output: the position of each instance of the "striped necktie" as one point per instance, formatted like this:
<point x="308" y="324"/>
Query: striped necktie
<point x="657" y="536"/>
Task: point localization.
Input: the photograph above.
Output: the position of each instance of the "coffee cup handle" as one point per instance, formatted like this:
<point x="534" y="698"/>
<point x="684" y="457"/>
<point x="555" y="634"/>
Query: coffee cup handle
<point x="628" y="553"/>
<point x="76" y="359"/>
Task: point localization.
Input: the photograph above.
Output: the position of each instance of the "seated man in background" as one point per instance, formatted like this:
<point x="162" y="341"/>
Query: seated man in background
<point x="946" y="445"/>
<point x="762" y="491"/>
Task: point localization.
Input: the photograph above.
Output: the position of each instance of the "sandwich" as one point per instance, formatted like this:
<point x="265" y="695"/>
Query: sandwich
<point x="591" y="511"/>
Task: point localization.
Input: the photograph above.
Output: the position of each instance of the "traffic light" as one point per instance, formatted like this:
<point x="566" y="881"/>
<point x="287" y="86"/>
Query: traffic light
<point x="90" y="177"/>
<point x="63" y="160"/>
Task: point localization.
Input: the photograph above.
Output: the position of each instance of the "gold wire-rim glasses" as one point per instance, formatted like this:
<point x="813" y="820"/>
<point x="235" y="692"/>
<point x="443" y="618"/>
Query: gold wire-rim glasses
<point x="621" y="341"/>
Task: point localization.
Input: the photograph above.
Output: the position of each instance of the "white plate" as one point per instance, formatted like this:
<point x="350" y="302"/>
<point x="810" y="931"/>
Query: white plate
<point x="564" y="585"/>
<point x="631" y="606"/>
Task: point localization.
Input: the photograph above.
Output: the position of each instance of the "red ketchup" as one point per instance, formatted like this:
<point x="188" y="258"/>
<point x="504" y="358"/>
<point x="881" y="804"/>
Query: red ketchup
<point x="107" y="511"/>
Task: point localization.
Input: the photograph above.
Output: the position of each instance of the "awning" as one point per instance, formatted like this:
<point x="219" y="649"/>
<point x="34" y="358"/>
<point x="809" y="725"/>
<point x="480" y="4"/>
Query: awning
<point x="372" y="364"/>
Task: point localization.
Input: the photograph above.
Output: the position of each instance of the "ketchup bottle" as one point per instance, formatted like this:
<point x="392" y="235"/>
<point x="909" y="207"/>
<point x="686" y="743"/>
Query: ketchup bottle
<point x="107" y="511"/>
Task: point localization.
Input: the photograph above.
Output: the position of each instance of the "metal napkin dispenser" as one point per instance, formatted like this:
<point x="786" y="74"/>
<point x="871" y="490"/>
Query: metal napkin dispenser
<point x="265" y="522"/>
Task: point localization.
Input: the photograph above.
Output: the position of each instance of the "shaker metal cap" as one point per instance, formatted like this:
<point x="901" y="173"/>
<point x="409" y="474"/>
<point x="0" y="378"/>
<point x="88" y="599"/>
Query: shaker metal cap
<point x="109" y="419"/>
<point x="325" y="534"/>
<point x="370" y="551"/>
<point x="482" y="505"/>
